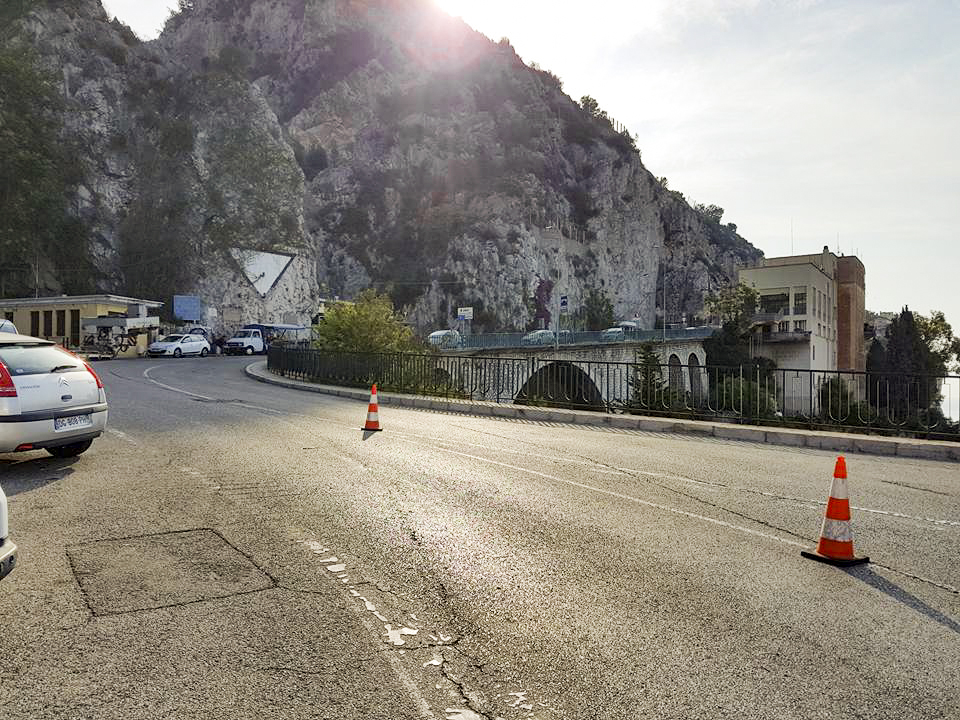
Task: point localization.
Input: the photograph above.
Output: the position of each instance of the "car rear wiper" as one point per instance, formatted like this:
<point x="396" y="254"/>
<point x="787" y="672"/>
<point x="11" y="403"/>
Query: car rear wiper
<point x="58" y="368"/>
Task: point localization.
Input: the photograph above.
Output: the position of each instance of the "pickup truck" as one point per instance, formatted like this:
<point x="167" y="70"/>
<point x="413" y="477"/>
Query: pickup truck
<point x="8" y="551"/>
<point x="248" y="341"/>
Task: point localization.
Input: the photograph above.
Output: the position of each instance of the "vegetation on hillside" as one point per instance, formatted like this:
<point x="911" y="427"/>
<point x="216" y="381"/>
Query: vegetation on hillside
<point x="37" y="176"/>
<point x="368" y="325"/>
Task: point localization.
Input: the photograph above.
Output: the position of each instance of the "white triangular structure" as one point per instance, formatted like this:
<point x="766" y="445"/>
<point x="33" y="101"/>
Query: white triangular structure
<point x="260" y="268"/>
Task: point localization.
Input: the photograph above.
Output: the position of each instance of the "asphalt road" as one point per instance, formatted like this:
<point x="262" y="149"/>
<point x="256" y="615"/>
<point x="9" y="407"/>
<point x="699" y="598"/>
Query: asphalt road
<point x="233" y="549"/>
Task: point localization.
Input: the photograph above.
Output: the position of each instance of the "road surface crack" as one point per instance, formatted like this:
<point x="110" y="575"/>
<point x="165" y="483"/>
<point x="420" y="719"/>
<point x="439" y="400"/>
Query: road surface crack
<point x="456" y="681"/>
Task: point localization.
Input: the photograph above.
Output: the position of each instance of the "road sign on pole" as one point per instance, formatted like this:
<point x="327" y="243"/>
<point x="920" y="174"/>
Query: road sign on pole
<point x="563" y="304"/>
<point x="465" y="313"/>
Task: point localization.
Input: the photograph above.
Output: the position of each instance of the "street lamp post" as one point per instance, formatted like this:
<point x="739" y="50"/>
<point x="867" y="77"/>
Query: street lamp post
<point x="664" y="266"/>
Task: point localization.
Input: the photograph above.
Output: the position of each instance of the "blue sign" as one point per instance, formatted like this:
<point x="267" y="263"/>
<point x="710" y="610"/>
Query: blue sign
<point x="188" y="308"/>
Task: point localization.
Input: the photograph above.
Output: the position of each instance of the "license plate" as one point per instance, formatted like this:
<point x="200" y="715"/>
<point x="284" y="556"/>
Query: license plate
<point x="72" y="422"/>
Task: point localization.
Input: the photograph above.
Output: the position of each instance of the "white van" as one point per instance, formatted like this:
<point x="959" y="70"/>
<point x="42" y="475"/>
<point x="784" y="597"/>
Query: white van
<point x="445" y="339"/>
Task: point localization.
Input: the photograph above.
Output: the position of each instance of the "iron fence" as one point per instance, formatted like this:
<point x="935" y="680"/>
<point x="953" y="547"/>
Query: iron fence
<point x="918" y="405"/>
<point x="565" y="338"/>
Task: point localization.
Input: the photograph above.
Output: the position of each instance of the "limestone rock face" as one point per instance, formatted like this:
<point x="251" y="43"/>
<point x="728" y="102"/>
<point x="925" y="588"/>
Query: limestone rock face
<point x="381" y="141"/>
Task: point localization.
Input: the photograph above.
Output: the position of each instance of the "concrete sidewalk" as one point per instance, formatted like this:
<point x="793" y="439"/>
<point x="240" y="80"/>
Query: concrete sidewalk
<point x="834" y="442"/>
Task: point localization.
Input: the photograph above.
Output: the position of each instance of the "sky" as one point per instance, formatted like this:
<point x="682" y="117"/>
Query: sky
<point x="811" y="122"/>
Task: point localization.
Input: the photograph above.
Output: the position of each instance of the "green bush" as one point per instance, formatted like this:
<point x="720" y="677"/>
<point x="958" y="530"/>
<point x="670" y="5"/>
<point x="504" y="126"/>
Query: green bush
<point x="743" y="398"/>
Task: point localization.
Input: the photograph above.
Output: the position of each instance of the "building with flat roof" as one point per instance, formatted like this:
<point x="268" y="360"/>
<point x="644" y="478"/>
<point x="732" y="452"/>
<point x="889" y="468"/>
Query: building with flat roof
<point x="811" y="311"/>
<point x="71" y="319"/>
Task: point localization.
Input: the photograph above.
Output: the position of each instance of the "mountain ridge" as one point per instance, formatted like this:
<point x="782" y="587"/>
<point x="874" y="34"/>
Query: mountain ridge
<point x="387" y="143"/>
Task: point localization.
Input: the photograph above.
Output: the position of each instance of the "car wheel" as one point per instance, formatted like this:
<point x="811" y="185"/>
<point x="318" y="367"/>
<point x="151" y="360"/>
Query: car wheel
<point x="203" y="352"/>
<point x="177" y="353"/>
<point x="71" y="450"/>
<point x="248" y="350"/>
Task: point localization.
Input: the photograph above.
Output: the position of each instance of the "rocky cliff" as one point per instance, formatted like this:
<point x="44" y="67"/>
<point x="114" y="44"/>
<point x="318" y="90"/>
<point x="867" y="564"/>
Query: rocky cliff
<point x="383" y="141"/>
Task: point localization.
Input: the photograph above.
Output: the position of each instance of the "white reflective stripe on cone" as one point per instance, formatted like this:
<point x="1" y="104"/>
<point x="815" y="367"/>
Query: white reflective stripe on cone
<point x="373" y="416"/>
<point x="837" y="530"/>
<point x="838" y="491"/>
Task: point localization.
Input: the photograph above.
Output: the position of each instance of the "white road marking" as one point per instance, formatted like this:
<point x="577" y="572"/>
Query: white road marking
<point x="557" y="458"/>
<point x="621" y="496"/>
<point x="423" y="707"/>
<point x="146" y="374"/>
<point x="123" y="436"/>
<point x="891" y="513"/>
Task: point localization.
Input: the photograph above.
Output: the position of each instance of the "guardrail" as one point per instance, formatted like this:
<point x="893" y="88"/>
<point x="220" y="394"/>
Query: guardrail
<point x="566" y="338"/>
<point x="874" y="403"/>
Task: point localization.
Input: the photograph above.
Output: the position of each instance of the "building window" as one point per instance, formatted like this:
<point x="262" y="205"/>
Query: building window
<point x="784" y="326"/>
<point x="800" y="303"/>
<point x="35" y="322"/>
<point x="814" y="352"/>
<point x="61" y="323"/>
<point x="9" y="316"/>
<point x="75" y="327"/>
<point x="800" y="325"/>
<point x="774" y="304"/>
<point x="47" y="323"/>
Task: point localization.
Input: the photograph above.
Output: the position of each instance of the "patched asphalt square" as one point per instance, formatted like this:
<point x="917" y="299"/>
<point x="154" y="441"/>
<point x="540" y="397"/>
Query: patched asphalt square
<point x="157" y="571"/>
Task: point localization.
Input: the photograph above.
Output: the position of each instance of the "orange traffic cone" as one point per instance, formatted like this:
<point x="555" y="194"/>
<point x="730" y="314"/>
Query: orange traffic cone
<point x="836" y="538"/>
<point x="373" y="413"/>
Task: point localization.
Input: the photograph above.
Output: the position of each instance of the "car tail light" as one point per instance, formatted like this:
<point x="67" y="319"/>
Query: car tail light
<point x="7" y="388"/>
<point x="95" y="376"/>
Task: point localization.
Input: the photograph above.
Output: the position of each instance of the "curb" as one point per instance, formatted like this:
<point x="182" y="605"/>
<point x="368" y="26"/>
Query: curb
<point x="834" y="442"/>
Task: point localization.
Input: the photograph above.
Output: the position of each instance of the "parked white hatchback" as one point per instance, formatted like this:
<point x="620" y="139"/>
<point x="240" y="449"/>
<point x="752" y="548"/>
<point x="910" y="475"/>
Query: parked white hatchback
<point x="49" y="398"/>
<point x="180" y="345"/>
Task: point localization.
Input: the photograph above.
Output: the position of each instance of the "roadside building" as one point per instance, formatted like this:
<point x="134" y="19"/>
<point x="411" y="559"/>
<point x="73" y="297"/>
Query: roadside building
<point x="811" y="311"/>
<point x="74" y="320"/>
<point x="810" y="316"/>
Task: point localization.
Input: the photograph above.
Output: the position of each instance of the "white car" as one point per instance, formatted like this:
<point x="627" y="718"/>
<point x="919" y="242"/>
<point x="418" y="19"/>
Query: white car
<point x="180" y="345"/>
<point x="7" y="326"/>
<point x="445" y="339"/>
<point x="539" y="337"/>
<point x="49" y="398"/>
<point x="8" y="551"/>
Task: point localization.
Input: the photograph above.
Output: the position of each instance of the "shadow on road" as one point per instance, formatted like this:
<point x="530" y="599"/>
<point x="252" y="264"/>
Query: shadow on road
<point x="367" y="434"/>
<point x="887" y="587"/>
<point x="24" y="474"/>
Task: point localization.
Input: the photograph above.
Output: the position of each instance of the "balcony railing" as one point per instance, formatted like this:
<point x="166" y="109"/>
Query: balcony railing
<point x="789" y="336"/>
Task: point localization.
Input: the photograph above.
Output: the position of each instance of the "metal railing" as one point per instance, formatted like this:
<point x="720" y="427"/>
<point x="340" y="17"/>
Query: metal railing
<point x="567" y="338"/>
<point x="923" y="406"/>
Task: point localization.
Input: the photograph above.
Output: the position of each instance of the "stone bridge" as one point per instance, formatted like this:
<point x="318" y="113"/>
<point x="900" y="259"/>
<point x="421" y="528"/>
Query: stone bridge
<point x="598" y="375"/>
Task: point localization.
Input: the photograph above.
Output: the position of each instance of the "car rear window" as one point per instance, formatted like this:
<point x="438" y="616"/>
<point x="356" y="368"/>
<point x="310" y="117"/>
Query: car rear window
<point x="34" y="359"/>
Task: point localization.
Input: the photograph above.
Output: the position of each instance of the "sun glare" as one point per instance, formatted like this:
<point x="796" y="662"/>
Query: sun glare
<point x="452" y="7"/>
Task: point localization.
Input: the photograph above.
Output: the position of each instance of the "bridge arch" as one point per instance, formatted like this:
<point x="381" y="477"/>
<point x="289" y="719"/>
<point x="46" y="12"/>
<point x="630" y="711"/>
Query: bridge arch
<point x="697" y="380"/>
<point x="675" y="374"/>
<point x="561" y="384"/>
